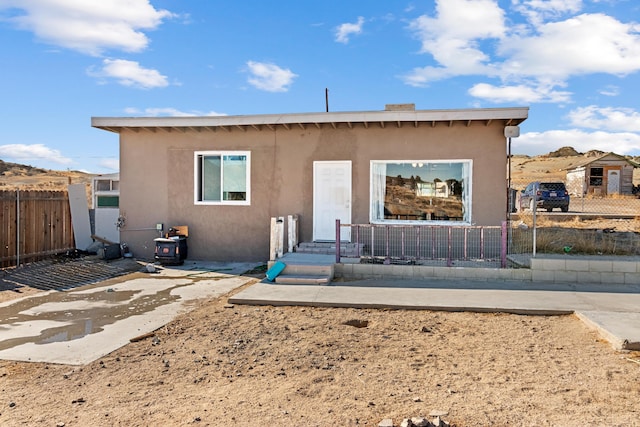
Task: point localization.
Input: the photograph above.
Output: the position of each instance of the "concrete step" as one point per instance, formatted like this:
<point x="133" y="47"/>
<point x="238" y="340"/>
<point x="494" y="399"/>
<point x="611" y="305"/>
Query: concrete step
<point x="306" y="269"/>
<point x="303" y="279"/>
<point x="309" y="269"/>
<point x="329" y="248"/>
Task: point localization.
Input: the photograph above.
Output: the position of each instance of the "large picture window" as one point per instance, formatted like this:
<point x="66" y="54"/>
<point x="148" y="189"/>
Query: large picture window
<point x="421" y="190"/>
<point x="222" y="177"/>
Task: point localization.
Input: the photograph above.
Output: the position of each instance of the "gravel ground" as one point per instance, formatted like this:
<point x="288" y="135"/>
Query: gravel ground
<point x="222" y="365"/>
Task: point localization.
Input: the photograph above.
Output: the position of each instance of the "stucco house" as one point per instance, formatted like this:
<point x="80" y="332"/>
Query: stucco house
<point x="225" y="177"/>
<point x="604" y="175"/>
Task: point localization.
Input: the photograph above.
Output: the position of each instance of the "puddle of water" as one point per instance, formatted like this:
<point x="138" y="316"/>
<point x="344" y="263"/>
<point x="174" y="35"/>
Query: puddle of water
<point x="67" y="316"/>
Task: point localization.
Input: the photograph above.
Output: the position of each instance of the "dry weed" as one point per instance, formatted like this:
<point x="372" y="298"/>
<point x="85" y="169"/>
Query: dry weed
<point x="575" y="240"/>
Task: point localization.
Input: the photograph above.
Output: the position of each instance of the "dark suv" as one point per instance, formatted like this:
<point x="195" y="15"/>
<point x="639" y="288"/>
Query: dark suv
<point x="549" y="195"/>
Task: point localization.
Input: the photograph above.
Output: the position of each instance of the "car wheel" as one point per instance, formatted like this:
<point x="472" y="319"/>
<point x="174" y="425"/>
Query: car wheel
<point x="549" y="209"/>
<point x="565" y="209"/>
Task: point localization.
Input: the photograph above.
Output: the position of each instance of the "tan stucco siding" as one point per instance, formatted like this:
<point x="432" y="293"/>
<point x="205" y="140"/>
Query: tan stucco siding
<point x="157" y="178"/>
<point x="143" y="199"/>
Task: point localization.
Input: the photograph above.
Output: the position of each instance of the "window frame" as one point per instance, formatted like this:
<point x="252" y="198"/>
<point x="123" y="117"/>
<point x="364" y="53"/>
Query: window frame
<point x="467" y="192"/>
<point x="596" y="176"/>
<point x="101" y="198"/>
<point x="197" y="177"/>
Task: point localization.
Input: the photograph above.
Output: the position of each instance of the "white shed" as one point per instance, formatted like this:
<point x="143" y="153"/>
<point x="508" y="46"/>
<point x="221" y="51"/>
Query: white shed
<point x="605" y="175"/>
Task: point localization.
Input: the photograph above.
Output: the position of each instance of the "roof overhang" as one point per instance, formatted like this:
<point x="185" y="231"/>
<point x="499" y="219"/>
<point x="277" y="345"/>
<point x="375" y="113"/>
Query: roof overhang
<point x="486" y="116"/>
<point x="587" y="162"/>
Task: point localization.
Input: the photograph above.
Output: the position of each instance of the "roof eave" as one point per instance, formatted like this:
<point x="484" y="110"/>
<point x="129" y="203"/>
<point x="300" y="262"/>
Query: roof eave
<point x="510" y="116"/>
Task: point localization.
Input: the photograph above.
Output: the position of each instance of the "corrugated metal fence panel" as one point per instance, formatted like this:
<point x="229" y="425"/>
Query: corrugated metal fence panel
<point x="33" y="225"/>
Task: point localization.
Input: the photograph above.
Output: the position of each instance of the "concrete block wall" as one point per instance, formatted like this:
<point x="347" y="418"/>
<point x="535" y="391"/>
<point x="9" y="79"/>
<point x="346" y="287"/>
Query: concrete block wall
<point x="545" y="270"/>
<point x="380" y="271"/>
<point x="586" y="270"/>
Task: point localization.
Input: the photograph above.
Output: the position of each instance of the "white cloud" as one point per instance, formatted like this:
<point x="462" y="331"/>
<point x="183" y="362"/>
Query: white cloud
<point x="553" y="6"/>
<point x="613" y="119"/>
<point x="168" y="111"/>
<point x="28" y="153"/>
<point x="518" y="93"/>
<point x="112" y="163"/>
<point x="584" y="44"/>
<point x="422" y="76"/>
<point x="610" y="90"/>
<point x="463" y="20"/>
<point x="452" y="39"/>
<point x="534" y="143"/>
<point x="534" y="58"/>
<point x="345" y="30"/>
<point x="270" y="77"/>
<point x="130" y="73"/>
<point x="538" y="10"/>
<point x="88" y="26"/>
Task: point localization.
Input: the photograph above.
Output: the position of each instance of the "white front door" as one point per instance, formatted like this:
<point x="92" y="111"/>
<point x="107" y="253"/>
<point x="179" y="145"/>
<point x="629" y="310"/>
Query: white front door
<point x="613" y="182"/>
<point x="331" y="199"/>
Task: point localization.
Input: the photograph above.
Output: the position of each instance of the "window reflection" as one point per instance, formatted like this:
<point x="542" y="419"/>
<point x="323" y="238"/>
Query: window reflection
<point x="420" y="190"/>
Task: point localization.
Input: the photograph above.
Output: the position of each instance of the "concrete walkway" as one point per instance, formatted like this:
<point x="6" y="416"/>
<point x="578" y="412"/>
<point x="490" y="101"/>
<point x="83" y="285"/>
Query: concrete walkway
<point x="613" y="310"/>
<point x="81" y="325"/>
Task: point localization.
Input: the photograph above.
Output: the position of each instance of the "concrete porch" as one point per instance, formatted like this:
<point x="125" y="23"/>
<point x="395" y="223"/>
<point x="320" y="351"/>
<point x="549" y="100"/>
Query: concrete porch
<point x="321" y="268"/>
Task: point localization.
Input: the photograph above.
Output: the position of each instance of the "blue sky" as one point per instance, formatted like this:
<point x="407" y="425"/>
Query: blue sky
<point x="575" y="63"/>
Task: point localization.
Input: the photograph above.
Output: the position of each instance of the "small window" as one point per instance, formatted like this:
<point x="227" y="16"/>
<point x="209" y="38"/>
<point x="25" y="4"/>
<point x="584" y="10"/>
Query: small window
<point x="107" y="201"/>
<point x="103" y="185"/>
<point x="595" y="177"/>
<point x="222" y="178"/>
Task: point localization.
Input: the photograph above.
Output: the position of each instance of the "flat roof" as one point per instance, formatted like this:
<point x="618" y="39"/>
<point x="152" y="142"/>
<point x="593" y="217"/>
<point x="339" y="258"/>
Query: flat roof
<point x="508" y="116"/>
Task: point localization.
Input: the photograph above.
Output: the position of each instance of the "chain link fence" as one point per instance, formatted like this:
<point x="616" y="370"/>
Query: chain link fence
<point x="615" y="205"/>
<point x="599" y="236"/>
<point x="598" y="220"/>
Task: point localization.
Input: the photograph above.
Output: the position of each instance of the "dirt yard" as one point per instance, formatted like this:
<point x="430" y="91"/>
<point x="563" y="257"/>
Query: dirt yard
<point x="223" y="365"/>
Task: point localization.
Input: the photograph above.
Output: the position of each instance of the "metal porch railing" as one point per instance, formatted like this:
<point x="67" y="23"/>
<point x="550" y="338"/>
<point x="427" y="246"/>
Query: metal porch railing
<point x="415" y="243"/>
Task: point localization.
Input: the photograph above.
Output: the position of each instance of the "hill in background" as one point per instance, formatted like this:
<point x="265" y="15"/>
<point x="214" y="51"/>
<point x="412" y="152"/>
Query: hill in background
<point x="553" y="166"/>
<point x="24" y="177"/>
<point x="524" y="169"/>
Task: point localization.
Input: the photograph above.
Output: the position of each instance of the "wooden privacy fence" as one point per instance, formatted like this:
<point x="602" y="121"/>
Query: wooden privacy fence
<point x="33" y="225"/>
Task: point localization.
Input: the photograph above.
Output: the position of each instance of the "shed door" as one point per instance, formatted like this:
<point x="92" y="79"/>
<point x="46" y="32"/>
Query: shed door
<point x="613" y="182"/>
<point x="331" y="199"/>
